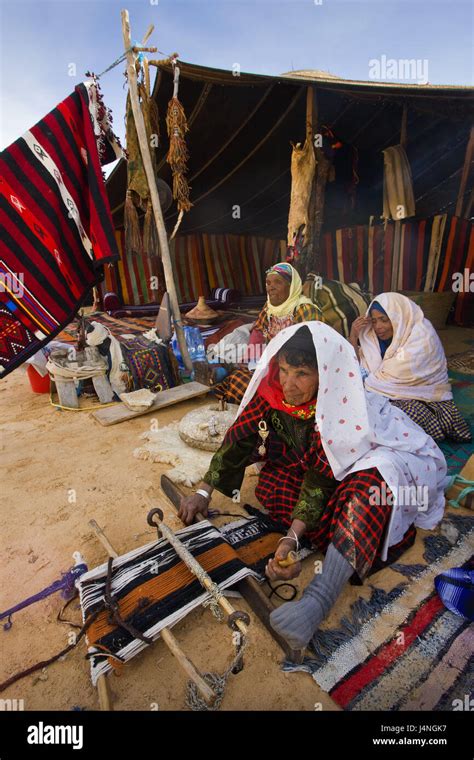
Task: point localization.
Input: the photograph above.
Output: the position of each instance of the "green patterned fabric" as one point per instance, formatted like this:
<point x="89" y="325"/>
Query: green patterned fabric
<point x="315" y="493"/>
<point x="227" y="467"/>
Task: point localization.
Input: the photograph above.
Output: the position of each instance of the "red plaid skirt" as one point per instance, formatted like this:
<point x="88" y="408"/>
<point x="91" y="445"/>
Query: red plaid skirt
<point x="355" y="526"/>
<point x="350" y="521"/>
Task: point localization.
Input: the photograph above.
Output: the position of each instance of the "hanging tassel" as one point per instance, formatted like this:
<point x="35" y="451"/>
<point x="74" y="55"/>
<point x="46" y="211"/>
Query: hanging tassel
<point x="133" y="242"/>
<point x="151" y="243"/>
<point x="181" y="192"/>
<point x="177" y="157"/>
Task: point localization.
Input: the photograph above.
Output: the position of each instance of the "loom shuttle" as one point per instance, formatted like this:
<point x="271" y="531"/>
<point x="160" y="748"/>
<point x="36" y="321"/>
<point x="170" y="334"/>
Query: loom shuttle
<point x="290" y="559"/>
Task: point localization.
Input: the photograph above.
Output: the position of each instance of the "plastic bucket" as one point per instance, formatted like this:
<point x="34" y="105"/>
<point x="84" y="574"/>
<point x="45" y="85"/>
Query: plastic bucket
<point x="38" y="384"/>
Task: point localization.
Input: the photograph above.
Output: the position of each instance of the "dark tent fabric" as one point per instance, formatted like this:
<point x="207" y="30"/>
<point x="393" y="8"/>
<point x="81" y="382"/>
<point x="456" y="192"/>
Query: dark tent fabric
<point x="239" y="140"/>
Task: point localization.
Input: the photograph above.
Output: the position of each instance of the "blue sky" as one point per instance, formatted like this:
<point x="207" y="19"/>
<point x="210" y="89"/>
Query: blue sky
<point x="40" y="40"/>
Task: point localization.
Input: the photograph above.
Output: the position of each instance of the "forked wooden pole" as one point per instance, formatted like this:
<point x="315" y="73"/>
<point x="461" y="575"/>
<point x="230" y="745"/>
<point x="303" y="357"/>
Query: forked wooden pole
<point x="155" y="200"/>
<point x="102" y="685"/>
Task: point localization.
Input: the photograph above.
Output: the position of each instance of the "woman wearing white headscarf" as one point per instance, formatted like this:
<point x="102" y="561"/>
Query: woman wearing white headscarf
<point x="340" y="466"/>
<point x="405" y="361"/>
<point x="286" y="305"/>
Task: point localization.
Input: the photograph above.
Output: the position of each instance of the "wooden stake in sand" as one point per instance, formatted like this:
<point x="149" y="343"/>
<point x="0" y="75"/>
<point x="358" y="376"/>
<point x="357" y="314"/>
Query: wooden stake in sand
<point x="102" y="684"/>
<point x="155" y="200"/>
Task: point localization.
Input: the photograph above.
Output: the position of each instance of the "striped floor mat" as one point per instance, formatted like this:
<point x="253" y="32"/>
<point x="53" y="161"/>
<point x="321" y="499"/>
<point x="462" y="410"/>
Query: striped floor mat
<point x="401" y="649"/>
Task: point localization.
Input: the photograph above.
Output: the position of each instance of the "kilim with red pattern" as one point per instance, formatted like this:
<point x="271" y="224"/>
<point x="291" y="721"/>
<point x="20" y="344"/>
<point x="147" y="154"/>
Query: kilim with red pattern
<point x="56" y="226"/>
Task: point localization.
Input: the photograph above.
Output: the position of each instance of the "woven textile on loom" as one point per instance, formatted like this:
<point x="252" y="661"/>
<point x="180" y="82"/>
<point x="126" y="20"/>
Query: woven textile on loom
<point x="149" y="363"/>
<point x="57" y="229"/>
<point x="155" y="589"/>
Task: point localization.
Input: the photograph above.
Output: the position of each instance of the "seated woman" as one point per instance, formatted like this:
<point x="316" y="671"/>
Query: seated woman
<point x="335" y="460"/>
<point x="405" y="361"/>
<point x="285" y="306"/>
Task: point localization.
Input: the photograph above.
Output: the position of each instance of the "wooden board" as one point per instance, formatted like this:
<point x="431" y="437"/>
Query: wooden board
<point x="120" y="413"/>
<point x="248" y="587"/>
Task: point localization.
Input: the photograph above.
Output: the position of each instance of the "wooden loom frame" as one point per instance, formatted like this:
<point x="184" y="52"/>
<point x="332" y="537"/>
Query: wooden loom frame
<point x="105" y="699"/>
<point x="250" y="589"/>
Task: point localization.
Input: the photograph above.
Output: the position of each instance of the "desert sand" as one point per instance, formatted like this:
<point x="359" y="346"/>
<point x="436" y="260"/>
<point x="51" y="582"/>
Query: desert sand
<point x="48" y="455"/>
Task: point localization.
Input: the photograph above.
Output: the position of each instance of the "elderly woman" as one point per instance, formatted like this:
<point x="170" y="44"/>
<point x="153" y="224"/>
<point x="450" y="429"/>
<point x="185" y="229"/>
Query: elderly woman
<point x="285" y="306"/>
<point x="335" y="460"/>
<point x="404" y="360"/>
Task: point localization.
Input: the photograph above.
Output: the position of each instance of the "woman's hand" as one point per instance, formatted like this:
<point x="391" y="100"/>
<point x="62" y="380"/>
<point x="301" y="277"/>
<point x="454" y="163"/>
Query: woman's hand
<point x="274" y="571"/>
<point x="357" y="326"/>
<point x="191" y="505"/>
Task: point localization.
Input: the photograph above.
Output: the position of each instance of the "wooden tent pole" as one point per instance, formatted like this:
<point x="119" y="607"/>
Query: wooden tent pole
<point x="318" y="191"/>
<point x="470" y="205"/>
<point x="102" y="685"/>
<point x="465" y="173"/>
<point x="306" y="264"/>
<point x="403" y="127"/>
<point x="155" y="200"/>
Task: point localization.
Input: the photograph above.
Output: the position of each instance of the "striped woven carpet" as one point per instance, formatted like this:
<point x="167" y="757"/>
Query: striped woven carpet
<point x="139" y="325"/>
<point x="401" y="649"/>
<point x="457" y="454"/>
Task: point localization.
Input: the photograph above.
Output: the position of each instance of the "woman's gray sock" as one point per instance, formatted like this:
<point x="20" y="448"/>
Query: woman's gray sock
<point x="298" y="621"/>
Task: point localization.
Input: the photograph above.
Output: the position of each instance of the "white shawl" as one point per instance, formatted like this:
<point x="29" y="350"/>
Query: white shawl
<point x="360" y="430"/>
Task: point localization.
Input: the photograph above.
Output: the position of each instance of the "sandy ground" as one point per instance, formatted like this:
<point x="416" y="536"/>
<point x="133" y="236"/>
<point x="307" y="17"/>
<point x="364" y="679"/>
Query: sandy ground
<point x="49" y="455"/>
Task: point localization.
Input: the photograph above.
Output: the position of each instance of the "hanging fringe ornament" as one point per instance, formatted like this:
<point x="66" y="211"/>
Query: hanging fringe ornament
<point x="138" y="193"/>
<point x="151" y="243"/>
<point x="177" y="157"/>
<point x="133" y="241"/>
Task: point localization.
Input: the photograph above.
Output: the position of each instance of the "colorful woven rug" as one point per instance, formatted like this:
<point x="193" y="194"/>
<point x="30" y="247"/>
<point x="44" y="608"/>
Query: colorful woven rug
<point x="401" y="649"/>
<point x="200" y="262"/>
<point x="118" y="327"/>
<point x="57" y="228"/>
<point x="149" y="364"/>
<point x="413" y="254"/>
<point x="462" y="362"/>
<point x="457" y="454"/>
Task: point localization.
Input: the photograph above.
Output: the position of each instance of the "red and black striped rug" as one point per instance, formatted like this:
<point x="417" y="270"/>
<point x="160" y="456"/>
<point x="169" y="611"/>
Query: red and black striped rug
<point x="400" y="649"/>
<point x="56" y="227"/>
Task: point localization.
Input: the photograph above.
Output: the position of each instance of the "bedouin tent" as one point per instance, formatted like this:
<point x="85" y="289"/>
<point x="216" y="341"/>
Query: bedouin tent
<point x="241" y="127"/>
